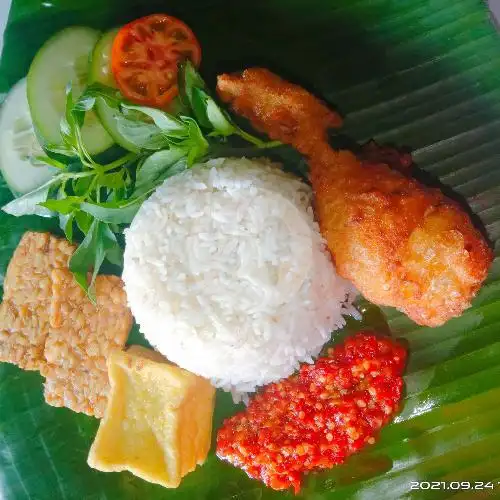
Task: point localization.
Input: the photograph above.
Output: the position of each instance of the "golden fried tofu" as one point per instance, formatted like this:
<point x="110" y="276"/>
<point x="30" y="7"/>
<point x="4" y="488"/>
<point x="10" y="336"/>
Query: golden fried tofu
<point x="158" y="421"/>
<point x="24" y="312"/>
<point x="82" y="335"/>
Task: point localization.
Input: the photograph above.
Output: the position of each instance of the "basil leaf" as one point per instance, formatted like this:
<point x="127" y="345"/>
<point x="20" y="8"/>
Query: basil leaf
<point x="75" y="167"/>
<point x="176" y="107"/>
<point x="112" y="96"/>
<point x="64" y="205"/>
<point x="141" y="134"/>
<point x="206" y="111"/>
<point x="113" y="180"/>
<point x="154" y="166"/>
<point x="67" y="120"/>
<point x="174" y="169"/>
<point x="218" y="118"/>
<point x="99" y="243"/>
<point x="118" y="195"/>
<point x="29" y="204"/>
<point x="47" y="160"/>
<point x="67" y="134"/>
<point x="114" y="252"/>
<point x="112" y="212"/>
<point x="85" y="103"/>
<point x="61" y="149"/>
<point x="66" y="224"/>
<point x="197" y="145"/>
<point x="189" y="79"/>
<point x="115" y="228"/>
<point x="82" y="185"/>
<point x="128" y="180"/>
<point x="71" y="124"/>
<point x="83" y="221"/>
<point x="75" y="115"/>
<point x="199" y="107"/>
<point x="89" y="255"/>
<point x="192" y="89"/>
<point x="165" y="122"/>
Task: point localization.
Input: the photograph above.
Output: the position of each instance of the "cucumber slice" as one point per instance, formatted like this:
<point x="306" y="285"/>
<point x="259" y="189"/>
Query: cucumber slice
<point x="19" y="145"/>
<point x="100" y="72"/>
<point x="100" y="61"/>
<point x="63" y="58"/>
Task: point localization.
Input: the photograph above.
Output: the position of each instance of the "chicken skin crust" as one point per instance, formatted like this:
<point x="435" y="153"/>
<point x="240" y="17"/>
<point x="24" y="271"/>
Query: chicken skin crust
<point x="401" y="243"/>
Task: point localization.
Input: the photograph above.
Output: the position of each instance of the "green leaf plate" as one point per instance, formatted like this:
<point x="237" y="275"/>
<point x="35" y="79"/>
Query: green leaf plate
<point x="418" y="73"/>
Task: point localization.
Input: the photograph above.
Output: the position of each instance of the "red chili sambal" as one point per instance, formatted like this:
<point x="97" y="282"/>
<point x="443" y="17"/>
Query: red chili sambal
<point x="317" y="418"/>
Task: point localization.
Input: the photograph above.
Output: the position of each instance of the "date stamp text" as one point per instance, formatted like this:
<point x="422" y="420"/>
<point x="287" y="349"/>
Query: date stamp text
<point x="454" y="485"/>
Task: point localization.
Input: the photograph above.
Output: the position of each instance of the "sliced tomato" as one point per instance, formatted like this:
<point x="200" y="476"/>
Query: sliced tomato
<point x="145" y="58"/>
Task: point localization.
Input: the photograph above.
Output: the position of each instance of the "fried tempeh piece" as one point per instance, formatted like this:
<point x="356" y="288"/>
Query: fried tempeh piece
<point x="82" y="336"/>
<point x="402" y="244"/>
<point x="24" y="312"/>
<point x="47" y="323"/>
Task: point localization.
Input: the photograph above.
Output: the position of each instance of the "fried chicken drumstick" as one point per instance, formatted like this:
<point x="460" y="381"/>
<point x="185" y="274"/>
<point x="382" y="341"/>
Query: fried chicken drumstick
<point x="402" y="244"/>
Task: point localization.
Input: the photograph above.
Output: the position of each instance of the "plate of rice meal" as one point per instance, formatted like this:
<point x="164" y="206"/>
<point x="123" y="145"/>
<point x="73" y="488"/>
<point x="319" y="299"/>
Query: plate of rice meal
<point x="249" y="250"/>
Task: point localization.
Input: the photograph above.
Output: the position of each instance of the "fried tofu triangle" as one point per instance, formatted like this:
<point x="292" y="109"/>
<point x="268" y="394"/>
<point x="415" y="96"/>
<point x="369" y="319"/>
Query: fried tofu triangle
<point x="158" y="421"/>
<point x="402" y="244"/>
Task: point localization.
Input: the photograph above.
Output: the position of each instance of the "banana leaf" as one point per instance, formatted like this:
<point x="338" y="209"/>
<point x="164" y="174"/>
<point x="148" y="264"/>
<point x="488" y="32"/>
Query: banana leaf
<point x="424" y="74"/>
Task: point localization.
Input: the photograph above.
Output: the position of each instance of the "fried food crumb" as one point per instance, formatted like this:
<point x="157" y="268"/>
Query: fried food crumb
<point x="24" y="312"/>
<point x="82" y="335"/>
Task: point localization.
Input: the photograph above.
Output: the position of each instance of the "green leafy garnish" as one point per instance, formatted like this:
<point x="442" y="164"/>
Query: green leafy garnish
<point x="95" y="201"/>
<point x="98" y="244"/>
<point x="31" y="203"/>
<point x="66" y="223"/>
<point x="113" y="213"/>
<point x="152" y="168"/>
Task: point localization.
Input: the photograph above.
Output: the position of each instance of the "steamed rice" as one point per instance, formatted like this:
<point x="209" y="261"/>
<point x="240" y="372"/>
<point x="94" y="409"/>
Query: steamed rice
<point x="228" y="276"/>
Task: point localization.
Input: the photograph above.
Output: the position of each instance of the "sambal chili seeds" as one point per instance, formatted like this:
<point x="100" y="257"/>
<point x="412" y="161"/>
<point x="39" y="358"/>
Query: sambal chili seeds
<point x="317" y="418"/>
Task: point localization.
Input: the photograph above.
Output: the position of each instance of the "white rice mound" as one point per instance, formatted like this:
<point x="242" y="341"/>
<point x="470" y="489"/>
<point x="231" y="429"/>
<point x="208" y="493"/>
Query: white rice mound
<point x="228" y="276"/>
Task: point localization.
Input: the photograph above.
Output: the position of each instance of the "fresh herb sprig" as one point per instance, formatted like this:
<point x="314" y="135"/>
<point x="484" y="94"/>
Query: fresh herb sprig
<point x="96" y="201"/>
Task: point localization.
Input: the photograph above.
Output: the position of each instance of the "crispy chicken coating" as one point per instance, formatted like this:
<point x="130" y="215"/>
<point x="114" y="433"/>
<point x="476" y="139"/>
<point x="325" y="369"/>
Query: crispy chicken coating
<point x="402" y="244"/>
<point x="284" y="111"/>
